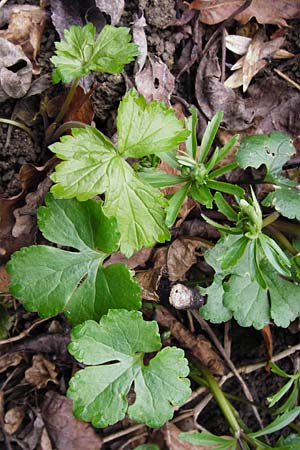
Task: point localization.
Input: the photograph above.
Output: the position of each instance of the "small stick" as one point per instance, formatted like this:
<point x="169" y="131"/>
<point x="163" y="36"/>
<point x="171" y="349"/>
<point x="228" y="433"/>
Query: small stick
<point x="25" y="332"/>
<point x="288" y="79"/>
<point x="113" y="436"/>
<point x="227" y="338"/>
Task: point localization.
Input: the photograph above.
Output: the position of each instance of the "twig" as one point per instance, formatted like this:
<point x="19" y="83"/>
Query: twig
<point x="218" y="345"/>
<point x="227" y="338"/>
<point x="19" y="125"/>
<point x="24" y="333"/>
<point x="134" y="438"/>
<point x="113" y="436"/>
<point x="3" y="2"/>
<point x="288" y="79"/>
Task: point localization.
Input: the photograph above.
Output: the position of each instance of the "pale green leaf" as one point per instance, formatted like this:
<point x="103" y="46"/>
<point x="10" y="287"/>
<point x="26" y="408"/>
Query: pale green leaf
<point x="119" y="342"/>
<point x="209" y="440"/>
<point x="51" y="280"/>
<point x="93" y="167"/>
<point x="272" y="150"/>
<point x="80" y="52"/>
<point x="279" y="423"/>
<point x="285" y="199"/>
<point x="214" y="309"/>
<point x="147" y="128"/>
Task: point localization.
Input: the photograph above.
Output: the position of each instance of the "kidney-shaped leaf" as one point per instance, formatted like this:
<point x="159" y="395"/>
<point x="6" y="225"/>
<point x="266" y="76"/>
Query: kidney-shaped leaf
<point x="51" y="280"/>
<point x="114" y="351"/>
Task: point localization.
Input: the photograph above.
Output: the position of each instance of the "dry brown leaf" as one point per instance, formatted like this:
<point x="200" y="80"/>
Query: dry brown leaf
<point x="114" y="8"/>
<point x="15" y="71"/>
<point x="26" y="26"/>
<point x="80" y="109"/>
<point x="149" y="282"/>
<point x="138" y="259"/>
<point x="10" y="360"/>
<point x="198" y="345"/>
<point x="45" y="443"/>
<point x="265" y="11"/>
<point x="155" y="81"/>
<point x="173" y="441"/>
<point x="41" y="371"/>
<point x="139" y="38"/>
<point x="13" y="419"/>
<point x="181" y="257"/>
<point x="67" y="432"/>
<point x="4" y="280"/>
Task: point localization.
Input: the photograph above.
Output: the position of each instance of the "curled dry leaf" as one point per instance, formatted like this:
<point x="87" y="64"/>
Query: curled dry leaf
<point x="138" y="259"/>
<point x="155" y="81"/>
<point x="149" y="281"/>
<point x="15" y="71"/>
<point x="198" y="345"/>
<point x="25" y="28"/>
<point x="65" y="430"/>
<point x="114" y="8"/>
<point x="265" y="11"/>
<point x="181" y="256"/>
<point x="139" y="38"/>
<point x="10" y="360"/>
<point x="41" y="371"/>
<point x="173" y="441"/>
<point x="45" y="443"/>
<point x="13" y="419"/>
<point x="80" y="109"/>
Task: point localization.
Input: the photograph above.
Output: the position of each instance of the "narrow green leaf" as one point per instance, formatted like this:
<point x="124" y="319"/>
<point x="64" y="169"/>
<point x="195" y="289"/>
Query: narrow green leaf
<point x="221" y="170"/>
<point x="255" y="270"/>
<point x="223" y="152"/>
<point x="276" y="369"/>
<point x="202" y="195"/>
<point x="159" y="179"/>
<point x="113" y="351"/>
<point x="191" y="141"/>
<point x="169" y="158"/>
<point x="147" y="128"/>
<point x="206" y="439"/>
<point x="279" y="423"/>
<point x="209" y="136"/>
<point x="290" y="402"/>
<point x="219" y="227"/>
<point x="224" y="207"/>
<point x="228" y="188"/>
<point x="273" y="399"/>
<point x="275" y="255"/>
<point x="175" y="204"/>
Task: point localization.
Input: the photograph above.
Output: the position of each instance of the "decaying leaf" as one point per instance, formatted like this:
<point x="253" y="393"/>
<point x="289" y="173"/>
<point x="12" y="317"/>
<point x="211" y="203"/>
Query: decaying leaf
<point x="80" y="109"/>
<point x="114" y="8"/>
<point x="25" y="28"/>
<point x="265" y="11"/>
<point x="181" y="257"/>
<point x="13" y="419"/>
<point x="149" y="282"/>
<point x="4" y="280"/>
<point x="139" y="38"/>
<point x="155" y="81"/>
<point x="65" y="430"/>
<point x="15" y="71"/>
<point x="6" y="321"/>
<point x="255" y="59"/>
<point x="10" y="360"/>
<point x="198" y="345"/>
<point x="41" y="371"/>
<point x="139" y="258"/>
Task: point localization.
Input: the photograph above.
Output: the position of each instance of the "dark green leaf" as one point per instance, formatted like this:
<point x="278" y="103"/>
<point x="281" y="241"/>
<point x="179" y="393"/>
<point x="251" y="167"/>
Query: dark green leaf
<point x="224" y="207"/>
<point x="285" y="199"/>
<point x="225" y="187"/>
<point x="223" y="152"/>
<point x="214" y="309"/>
<point x="159" y="179"/>
<point x="279" y="394"/>
<point x="275" y="255"/>
<point x="234" y="253"/>
<point x="191" y="141"/>
<point x="221" y="170"/>
<point x="279" y="423"/>
<point x="175" y="204"/>
<point x="202" y="195"/>
<point x="209" y="136"/>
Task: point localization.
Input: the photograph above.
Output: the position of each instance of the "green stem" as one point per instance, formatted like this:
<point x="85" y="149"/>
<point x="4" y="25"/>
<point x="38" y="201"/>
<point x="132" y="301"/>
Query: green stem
<point x="67" y="126"/>
<point x="282" y="240"/>
<point x="67" y="102"/>
<point x="270" y="219"/>
<point x="19" y="125"/>
<point x="288" y="227"/>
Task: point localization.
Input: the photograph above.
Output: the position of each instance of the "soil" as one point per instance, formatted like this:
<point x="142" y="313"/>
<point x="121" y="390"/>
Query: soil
<point x="17" y="148"/>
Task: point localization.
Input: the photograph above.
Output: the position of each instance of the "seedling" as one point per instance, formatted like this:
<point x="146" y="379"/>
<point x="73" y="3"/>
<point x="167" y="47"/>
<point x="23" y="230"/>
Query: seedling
<point x="198" y="171"/>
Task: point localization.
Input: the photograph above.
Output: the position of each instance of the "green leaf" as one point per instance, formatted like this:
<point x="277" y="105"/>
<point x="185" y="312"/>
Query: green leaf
<point x="160" y="179"/>
<point x="206" y="439"/>
<point x="169" y="158"/>
<point x="191" y="141"/>
<point x="79" y="53"/>
<point x="279" y="394"/>
<point x="290" y="402"/>
<point x="276" y="257"/>
<point x="285" y="199"/>
<point x="214" y="309"/>
<point x="147" y="447"/>
<point x="202" y="195"/>
<point x="175" y="204"/>
<point x="147" y="128"/>
<point x="228" y="188"/>
<point x="272" y="150"/>
<point x="234" y="253"/>
<point x="276" y="369"/>
<point x="291" y="442"/>
<point x="223" y="152"/>
<point x="93" y="167"/>
<point x="224" y="207"/>
<point x="113" y="351"/>
<point x="51" y="280"/>
<point x="279" y="423"/>
<point x="209" y="136"/>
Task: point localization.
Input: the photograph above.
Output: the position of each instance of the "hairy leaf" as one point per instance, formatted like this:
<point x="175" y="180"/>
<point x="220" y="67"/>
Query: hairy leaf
<point x="272" y="150"/>
<point x="80" y="53"/>
<point x="51" y="280"/>
<point x="113" y="351"/>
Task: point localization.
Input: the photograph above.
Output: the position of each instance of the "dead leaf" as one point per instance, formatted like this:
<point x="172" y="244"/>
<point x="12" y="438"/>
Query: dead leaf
<point x="13" y="419"/>
<point x="265" y="11"/>
<point x="173" y="441"/>
<point x="80" y="109"/>
<point x="45" y="443"/>
<point x="267" y="335"/>
<point x="198" y="345"/>
<point x="255" y="59"/>
<point x="155" y="81"/>
<point x="114" y="8"/>
<point x="26" y="26"/>
<point x="13" y="216"/>
<point x="4" y="280"/>
<point x="41" y="371"/>
<point x="15" y="71"/>
<point x="10" y="360"/>
<point x="181" y="257"/>
<point x="139" y="38"/>
<point x="149" y="282"/>
<point x="198" y="228"/>
<point x="6" y="321"/>
<point x="138" y="259"/>
<point x="67" y="432"/>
